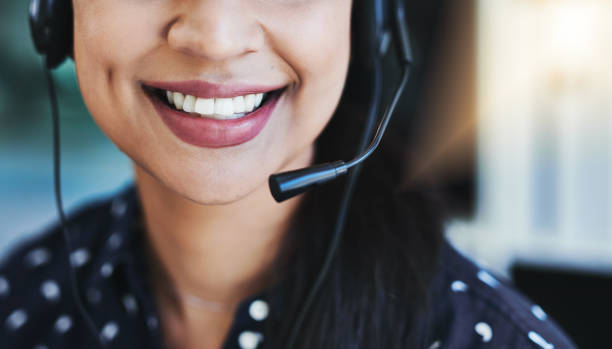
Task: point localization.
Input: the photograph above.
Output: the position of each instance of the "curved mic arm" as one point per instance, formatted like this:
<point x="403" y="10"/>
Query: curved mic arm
<point x="382" y="127"/>
<point x="286" y="185"/>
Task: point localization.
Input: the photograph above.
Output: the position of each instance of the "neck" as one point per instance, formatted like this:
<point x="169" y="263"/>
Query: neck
<point x="209" y="251"/>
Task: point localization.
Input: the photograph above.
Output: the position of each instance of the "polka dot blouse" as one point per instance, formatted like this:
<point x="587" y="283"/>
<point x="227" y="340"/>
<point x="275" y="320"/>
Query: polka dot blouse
<point x="472" y="308"/>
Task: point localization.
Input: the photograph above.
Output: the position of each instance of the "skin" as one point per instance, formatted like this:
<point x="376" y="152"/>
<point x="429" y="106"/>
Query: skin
<point x="213" y="228"/>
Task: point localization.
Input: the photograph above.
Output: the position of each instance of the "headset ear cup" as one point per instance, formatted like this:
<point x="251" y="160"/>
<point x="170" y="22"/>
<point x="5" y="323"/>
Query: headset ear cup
<point x="51" y="29"/>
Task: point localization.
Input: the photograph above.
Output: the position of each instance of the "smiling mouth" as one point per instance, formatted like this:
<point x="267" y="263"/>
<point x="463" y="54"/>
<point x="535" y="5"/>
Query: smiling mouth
<point x="213" y="108"/>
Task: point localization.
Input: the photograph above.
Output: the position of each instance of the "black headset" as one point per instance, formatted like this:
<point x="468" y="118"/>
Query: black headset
<point x="51" y="28"/>
<point x="375" y="23"/>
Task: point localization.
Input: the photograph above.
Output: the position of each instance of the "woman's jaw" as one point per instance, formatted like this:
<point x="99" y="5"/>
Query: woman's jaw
<point x="220" y="158"/>
<point x="176" y="97"/>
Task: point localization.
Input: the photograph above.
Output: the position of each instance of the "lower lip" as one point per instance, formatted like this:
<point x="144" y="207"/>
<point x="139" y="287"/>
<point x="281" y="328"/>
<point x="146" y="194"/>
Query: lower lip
<point x="213" y="133"/>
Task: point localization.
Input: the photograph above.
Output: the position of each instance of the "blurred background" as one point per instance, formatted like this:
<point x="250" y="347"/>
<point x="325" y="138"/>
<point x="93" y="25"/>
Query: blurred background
<point x="512" y="123"/>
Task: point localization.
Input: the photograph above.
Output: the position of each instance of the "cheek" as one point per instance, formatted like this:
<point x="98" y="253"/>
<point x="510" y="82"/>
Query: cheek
<point x="105" y="55"/>
<point x="114" y="31"/>
<point x="119" y="41"/>
<point x="318" y="50"/>
<point x="319" y="44"/>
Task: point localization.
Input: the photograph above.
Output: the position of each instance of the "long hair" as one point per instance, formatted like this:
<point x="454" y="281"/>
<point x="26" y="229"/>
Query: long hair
<point x="377" y="287"/>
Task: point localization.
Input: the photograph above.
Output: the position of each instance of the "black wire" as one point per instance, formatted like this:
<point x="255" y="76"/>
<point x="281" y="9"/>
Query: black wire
<point x="58" y="200"/>
<point x="347" y="195"/>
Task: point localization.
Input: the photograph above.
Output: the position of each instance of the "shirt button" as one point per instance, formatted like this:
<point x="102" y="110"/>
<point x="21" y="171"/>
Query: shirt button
<point x="259" y="310"/>
<point x="249" y="340"/>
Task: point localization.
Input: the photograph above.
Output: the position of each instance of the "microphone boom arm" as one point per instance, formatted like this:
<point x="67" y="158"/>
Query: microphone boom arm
<point x="288" y="184"/>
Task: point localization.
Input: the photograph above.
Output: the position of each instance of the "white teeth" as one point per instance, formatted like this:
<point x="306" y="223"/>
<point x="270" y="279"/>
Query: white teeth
<point x="249" y="103"/>
<point x="189" y="104"/>
<point x="205" y="106"/>
<point x="217" y="108"/>
<point x="239" y="106"/>
<point x="178" y="100"/>
<point x="224" y="106"/>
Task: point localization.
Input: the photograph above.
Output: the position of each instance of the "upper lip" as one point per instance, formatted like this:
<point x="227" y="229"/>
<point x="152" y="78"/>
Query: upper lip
<point x="203" y="89"/>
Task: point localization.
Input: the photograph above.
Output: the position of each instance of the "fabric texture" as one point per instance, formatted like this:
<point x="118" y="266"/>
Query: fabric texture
<point x="471" y="308"/>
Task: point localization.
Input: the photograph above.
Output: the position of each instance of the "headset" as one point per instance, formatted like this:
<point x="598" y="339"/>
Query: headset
<point x="376" y="23"/>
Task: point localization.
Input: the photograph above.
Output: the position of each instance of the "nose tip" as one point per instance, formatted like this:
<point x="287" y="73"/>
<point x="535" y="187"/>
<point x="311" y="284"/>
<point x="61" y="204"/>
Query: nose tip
<point x="214" y="32"/>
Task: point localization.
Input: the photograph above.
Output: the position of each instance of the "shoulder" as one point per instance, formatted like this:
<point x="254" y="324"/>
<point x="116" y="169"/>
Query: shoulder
<point x="477" y="309"/>
<point x="35" y="293"/>
<point x="45" y="252"/>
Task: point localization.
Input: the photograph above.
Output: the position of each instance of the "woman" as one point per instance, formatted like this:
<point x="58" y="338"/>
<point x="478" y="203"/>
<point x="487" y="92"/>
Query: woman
<point x="208" y="98"/>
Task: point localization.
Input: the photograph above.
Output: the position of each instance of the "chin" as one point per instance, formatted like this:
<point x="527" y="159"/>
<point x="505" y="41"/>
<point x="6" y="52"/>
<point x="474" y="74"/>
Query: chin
<point x="206" y="186"/>
<point x="218" y="195"/>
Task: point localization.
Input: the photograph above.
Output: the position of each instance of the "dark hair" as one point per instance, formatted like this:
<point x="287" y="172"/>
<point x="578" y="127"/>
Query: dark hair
<point x="377" y="286"/>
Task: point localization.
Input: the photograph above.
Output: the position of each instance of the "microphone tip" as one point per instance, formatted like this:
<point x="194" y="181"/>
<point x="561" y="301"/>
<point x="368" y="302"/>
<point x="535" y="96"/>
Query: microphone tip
<point x="286" y="185"/>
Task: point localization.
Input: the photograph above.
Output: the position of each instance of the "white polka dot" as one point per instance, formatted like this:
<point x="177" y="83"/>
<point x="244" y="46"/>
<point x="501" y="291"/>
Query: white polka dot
<point x="249" y="340"/>
<point x="5" y="287"/>
<point x="50" y="290"/>
<point x="435" y="345"/>
<point x="79" y="257"/>
<point x="458" y="286"/>
<point x="106" y="269"/>
<point x="114" y="241"/>
<point x="118" y="207"/>
<point x="538" y="312"/>
<point x="129" y="302"/>
<point x="94" y="295"/>
<point x="537" y="339"/>
<point x="109" y="331"/>
<point x="259" y="310"/>
<point x="38" y="257"/>
<point x="484" y="330"/>
<point x="488" y="278"/>
<point x="17" y="319"/>
<point x="152" y="322"/>
<point x="63" y="324"/>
